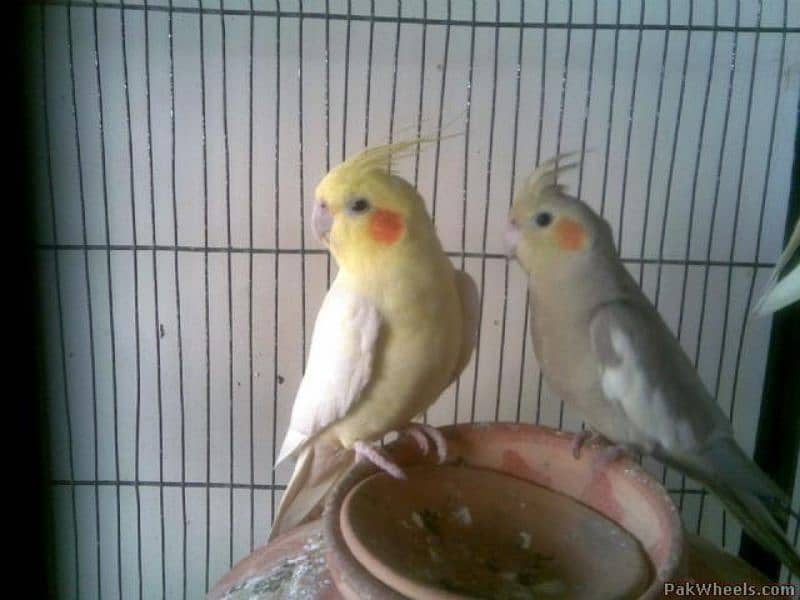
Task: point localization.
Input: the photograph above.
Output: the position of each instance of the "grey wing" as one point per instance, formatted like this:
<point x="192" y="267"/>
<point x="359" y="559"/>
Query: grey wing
<point x="645" y="373"/>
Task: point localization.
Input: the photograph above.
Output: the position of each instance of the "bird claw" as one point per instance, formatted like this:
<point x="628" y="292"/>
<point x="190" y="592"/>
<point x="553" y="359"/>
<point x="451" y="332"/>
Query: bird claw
<point x="421" y="432"/>
<point x="578" y="442"/>
<point x="610" y="454"/>
<point x="378" y="458"/>
<point x="582" y="438"/>
<point x="607" y="455"/>
<point x="420" y="438"/>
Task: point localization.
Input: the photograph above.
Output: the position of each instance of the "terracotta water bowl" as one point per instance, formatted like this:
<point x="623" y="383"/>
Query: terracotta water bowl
<point x="511" y="515"/>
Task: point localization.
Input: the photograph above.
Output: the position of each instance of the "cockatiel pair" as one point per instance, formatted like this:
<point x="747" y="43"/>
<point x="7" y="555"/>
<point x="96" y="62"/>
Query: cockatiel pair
<point x="399" y="324"/>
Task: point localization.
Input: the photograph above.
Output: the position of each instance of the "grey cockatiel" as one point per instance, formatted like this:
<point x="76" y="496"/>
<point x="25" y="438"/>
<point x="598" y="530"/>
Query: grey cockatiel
<point x="604" y="349"/>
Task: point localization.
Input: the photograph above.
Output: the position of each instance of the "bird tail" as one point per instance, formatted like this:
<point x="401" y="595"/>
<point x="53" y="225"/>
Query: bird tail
<point x="758" y="519"/>
<point x="747" y="492"/>
<point x="317" y="469"/>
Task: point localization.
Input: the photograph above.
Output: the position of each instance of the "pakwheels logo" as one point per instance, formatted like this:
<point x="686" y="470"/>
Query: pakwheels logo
<point x="692" y="588"/>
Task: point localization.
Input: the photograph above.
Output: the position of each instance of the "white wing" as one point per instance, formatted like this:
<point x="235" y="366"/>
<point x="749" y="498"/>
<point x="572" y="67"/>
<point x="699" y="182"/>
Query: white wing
<point x="339" y="364"/>
<point x="645" y="374"/>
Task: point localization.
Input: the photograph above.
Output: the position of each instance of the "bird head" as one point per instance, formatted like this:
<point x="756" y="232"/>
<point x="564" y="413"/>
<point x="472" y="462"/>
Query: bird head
<point x="363" y="213"/>
<point x="547" y="228"/>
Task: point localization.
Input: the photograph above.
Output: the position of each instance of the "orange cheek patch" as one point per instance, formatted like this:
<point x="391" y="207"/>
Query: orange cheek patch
<point x="570" y="234"/>
<point x="386" y="226"/>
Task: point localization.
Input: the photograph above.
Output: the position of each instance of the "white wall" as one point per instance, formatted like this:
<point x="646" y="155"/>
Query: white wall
<point x="163" y="392"/>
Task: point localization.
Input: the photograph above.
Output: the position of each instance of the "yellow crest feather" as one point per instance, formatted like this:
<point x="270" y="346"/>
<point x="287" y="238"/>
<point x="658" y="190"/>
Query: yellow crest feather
<point x="380" y="158"/>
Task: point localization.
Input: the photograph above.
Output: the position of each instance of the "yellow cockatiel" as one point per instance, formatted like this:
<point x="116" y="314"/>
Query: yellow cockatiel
<point x="397" y="326"/>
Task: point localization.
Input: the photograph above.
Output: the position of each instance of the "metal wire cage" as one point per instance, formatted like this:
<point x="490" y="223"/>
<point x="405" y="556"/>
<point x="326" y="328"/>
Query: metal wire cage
<point x="176" y="145"/>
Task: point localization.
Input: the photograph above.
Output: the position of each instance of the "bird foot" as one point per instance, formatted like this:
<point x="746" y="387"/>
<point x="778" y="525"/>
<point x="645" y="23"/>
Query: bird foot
<point x="609" y="454"/>
<point x="378" y="458"/>
<point x="581" y="439"/>
<point x="421" y="432"/>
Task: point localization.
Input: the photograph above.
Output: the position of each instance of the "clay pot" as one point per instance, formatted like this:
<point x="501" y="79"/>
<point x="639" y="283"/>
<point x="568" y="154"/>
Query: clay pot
<point x="511" y="507"/>
<point x="293" y="562"/>
<point x="507" y="516"/>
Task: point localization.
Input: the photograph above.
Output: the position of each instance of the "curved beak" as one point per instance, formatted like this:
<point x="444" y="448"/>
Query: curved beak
<point x="321" y="221"/>
<point x="512" y="237"/>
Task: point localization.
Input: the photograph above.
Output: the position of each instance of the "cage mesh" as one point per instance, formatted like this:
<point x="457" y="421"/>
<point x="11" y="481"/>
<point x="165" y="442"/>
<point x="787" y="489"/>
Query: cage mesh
<point x="176" y="149"/>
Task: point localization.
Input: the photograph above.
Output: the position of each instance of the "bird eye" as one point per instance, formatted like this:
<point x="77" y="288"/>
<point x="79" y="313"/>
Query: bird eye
<point x="359" y="205"/>
<point x="543" y="219"/>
